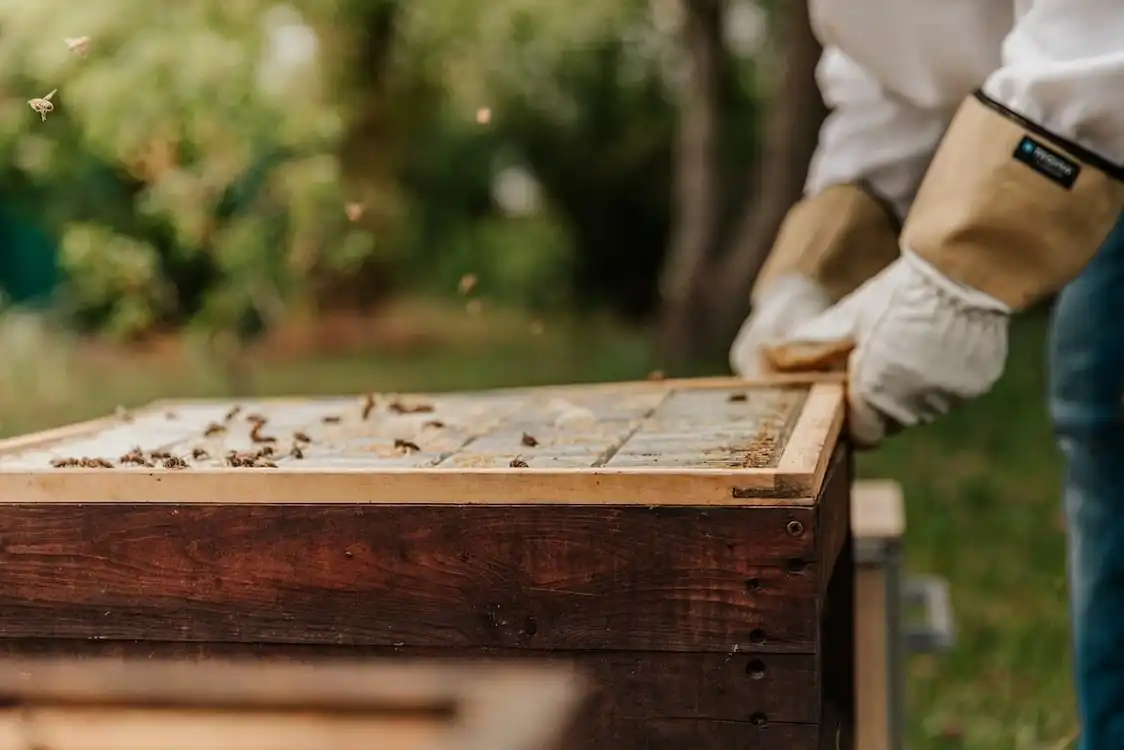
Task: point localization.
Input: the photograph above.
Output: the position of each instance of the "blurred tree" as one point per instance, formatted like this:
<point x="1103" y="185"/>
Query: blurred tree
<point x="712" y="262"/>
<point x="627" y="113"/>
<point x="574" y="101"/>
<point x="190" y="165"/>
<point x="202" y="161"/>
<point x="584" y="99"/>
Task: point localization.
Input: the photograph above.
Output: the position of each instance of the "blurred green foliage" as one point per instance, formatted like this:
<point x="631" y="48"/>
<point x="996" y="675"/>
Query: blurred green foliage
<point x="200" y="156"/>
<point x="188" y="170"/>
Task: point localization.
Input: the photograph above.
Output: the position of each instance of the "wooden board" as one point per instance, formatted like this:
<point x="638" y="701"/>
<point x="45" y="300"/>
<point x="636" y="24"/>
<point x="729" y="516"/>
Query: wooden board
<point x="878" y="511"/>
<point x="551" y="577"/>
<point x="722" y="441"/>
<point x="697" y="626"/>
<point x="686" y="543"/>
<point x="878" y="521"/>
<point x="111" y="704"/>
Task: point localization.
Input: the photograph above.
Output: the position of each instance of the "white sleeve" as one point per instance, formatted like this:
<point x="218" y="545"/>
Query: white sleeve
<point x="871" y="136"/>
<point x="895" y="71"/>
<point x="1063" y="69"/>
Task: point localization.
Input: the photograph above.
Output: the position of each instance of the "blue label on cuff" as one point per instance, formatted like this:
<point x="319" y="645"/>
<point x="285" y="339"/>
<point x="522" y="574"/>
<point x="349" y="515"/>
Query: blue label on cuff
<point x="1047" y="162"/>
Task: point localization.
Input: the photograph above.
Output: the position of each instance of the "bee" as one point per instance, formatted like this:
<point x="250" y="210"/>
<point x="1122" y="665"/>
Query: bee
<point x="234" y="411"/>
<point x="400" y="408"/>
<point x="236" y="459"/>
<point x="330" y="419"/>
<point x="529" y="440"/>
<point x="85" y="463"/>
<point x="159" y="455"/>
<point x="406" y="446"/>
<point x="199" y="454"/>
<point x="736" y="398"/>
<point x="368" y="405"/>
<point x="518" y="463"/>
<point x="436" y="424"/>
<point x="301" y="437"/>
<point x="296" y="452"/>
<point x="79" y="45"/>
<point x="214" y="429"/>
<point x="135" y="456"/>
<point x="174" y="462"/>
<point x="43" y="104"/>
<point x="257" y="437"/>
<point x="467" y="283"/>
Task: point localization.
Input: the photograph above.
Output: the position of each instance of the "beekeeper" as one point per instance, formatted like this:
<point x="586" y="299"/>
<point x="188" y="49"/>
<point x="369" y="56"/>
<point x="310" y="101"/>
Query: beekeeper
<point x="971" y="167"/>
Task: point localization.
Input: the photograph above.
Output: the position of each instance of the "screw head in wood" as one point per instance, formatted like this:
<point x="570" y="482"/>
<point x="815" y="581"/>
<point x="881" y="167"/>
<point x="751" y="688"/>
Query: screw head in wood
<point x="794" y="528"/>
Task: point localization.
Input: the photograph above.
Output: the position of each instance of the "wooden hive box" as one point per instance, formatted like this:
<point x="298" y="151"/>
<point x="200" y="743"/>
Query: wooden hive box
<point x="685" y="543"/>
<point x="131" y="705"/>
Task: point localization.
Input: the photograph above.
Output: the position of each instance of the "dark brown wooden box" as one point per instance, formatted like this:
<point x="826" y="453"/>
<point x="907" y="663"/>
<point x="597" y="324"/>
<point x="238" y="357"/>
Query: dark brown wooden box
<point x="63" y="704"/>
<point x="685" y="543"/>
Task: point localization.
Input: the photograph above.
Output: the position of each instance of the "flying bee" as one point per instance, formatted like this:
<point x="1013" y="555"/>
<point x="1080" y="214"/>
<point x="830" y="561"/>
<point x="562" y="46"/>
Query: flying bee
<point x="467" y="283"/>
<point x="43" y="105"/>
<point x="79" y="45"/>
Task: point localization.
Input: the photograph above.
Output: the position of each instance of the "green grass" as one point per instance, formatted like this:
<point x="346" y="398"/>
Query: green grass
<point x="981" y="489"/>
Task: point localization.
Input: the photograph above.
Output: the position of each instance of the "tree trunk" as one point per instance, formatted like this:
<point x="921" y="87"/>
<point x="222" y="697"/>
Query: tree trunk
<point x="706" y="293"/>
<point x="696" y="178"/>
<point x="790" y="138"/>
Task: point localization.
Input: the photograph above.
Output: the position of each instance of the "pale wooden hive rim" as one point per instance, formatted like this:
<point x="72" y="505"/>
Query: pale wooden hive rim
<point x="794" y="478"/>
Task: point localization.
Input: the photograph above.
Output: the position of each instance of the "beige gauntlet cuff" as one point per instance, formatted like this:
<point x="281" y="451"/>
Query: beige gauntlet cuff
<point x="838" y="238"/>
<point x="1010" y="209"/>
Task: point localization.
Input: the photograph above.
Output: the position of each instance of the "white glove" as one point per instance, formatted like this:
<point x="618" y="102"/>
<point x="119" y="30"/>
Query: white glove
<point x="791" y="301"/>
<point x="923" y="343"/>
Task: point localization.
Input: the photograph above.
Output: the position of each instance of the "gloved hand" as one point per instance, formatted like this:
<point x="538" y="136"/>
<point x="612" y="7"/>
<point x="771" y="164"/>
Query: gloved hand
<point x="829" y="244"/>
<point x="923" y="344"/>
<point x="788" y="302"/>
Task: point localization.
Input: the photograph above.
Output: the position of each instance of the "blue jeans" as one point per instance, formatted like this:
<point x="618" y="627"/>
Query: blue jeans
<point x="1087" y="408"/>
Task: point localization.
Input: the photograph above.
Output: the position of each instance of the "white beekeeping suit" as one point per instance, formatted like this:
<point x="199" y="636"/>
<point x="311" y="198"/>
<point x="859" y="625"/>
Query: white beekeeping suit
<point x="993" y="130"/>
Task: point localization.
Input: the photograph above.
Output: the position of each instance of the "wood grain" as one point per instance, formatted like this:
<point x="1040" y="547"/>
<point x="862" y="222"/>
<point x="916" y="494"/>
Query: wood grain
<point x="627" y="684"/>
<point x="465" y="486"/>
<point x="550" y="577"/>
<point x="836" y="652"/>
<point x="833" y="515"/>
<point x="813" y="438"/>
